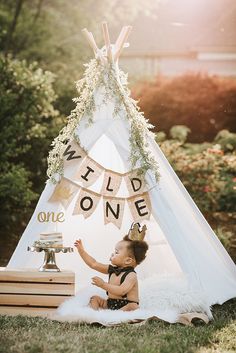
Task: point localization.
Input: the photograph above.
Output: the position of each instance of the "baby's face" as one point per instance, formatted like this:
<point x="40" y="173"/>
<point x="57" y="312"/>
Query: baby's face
<point x="121" y="256"/>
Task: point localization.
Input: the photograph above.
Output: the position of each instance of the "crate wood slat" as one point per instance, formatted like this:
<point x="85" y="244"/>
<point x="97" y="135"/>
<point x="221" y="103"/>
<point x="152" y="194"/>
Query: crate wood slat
<point x="29" y="311"/>
<point x="30" y="292"/>
<point x="37" y="288"/>
<point x="33" y="275"/>
<point x="32" y="300"/>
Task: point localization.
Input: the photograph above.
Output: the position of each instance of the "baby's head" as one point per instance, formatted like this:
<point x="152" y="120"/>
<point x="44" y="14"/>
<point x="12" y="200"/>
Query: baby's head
<point x="129" y="252"/>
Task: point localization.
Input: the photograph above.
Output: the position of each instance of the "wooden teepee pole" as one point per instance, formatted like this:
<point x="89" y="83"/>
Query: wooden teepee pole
<point x="122" y="41"/>
<point x="88" y="35"/>
<point x="107" y="40"/>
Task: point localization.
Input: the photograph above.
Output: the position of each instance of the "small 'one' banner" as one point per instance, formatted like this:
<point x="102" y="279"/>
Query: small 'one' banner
<point x="140" y="206"/>
<point x="88" y="172"/>
<point x="64" y="192"/>
<point x="113" y="208"/>
<point x="111" y="183"/>
<point x="86" y="202"/>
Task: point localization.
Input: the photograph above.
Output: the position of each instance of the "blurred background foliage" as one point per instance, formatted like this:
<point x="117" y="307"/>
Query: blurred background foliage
<point x="42" y="53"/>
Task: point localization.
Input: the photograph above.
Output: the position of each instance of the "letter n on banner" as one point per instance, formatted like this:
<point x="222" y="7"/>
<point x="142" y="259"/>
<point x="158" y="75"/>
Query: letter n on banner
<point x="140" y="206"/>
<point x="64" y="192"/>
<point x="86" y="202"/>
<point x="88" y="172"/>
<point x="73" y="153"/>
<point x="135" y="182"/>
<point x="113" y="208"/>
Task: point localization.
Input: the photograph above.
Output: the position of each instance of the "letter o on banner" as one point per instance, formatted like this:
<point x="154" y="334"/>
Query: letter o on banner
<point x="86" y="203"/>
<point x="86" y="200"/>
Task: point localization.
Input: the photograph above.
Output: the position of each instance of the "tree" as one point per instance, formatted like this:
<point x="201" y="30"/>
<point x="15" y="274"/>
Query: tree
<point x="49" y="32"/>
<point x="28" y="121"/>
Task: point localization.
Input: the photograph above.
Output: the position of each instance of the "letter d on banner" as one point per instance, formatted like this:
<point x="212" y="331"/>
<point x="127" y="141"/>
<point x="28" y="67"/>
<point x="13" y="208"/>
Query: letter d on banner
<point x="135" y="182"/>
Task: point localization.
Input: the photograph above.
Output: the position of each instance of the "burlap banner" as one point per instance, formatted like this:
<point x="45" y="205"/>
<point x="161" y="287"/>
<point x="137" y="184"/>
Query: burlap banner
<point x="64" y="192"/>
<point x="135" y="182"/>
<point x="113" y="208"/>
<point x="86" y="202"/>
<point x="88" y="172"/>
<point x="111" y="183"/>
<point x="140" y="206"/>
<point x="73" y="153"/>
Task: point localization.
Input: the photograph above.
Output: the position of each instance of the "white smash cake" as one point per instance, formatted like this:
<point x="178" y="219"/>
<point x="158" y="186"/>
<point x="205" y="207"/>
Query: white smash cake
<point x="50" y="240"/>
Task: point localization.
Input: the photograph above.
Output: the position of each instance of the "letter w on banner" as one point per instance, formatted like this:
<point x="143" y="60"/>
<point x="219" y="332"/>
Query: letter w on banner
<point x="140" y="206"/>
<point x="113" y="210"/>
<point x="86" y="202"/>
<point x="73" y="152"/>
<point x="64" y="192"/>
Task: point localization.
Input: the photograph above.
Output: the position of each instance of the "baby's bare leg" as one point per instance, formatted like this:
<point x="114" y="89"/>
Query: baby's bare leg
<point x="97" y="302"/>
<point x="130" y="307"/>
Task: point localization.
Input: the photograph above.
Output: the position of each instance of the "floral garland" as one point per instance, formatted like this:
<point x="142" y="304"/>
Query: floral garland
<point x="115" y="83"/>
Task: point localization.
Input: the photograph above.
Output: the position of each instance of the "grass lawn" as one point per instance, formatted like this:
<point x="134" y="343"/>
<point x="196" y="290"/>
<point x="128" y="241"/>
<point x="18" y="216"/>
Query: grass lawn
<point x="23" y="334"/>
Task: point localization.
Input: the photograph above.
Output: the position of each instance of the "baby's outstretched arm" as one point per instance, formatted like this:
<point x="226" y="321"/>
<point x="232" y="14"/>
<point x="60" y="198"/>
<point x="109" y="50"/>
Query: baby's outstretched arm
<point x="89" y="260"/>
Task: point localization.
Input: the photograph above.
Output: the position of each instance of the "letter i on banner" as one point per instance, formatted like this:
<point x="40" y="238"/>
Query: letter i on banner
<point x="64" y="192"/>
<point x="140" y="206"/>
<point x="88" y="172"/>
<point x="73" y="153"/>
<point x="86" y="203"/>
<point x="135" y="182"/>
<point x="113" y="208"/>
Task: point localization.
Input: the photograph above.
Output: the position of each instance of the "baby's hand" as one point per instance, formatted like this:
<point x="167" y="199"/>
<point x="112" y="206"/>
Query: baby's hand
<point x="78" y="244"/>
<point x="97" y="281"/>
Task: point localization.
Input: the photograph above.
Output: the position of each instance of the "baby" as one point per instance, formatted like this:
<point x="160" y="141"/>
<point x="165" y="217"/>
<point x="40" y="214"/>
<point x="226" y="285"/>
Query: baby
<point x="122" y="286"/>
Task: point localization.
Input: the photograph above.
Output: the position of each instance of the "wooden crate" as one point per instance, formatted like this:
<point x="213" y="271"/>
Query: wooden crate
<point x="34" y="293"/>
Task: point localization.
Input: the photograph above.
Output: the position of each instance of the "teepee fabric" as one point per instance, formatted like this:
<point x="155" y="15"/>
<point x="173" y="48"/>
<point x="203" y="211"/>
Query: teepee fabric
<point x="181" y="242"/>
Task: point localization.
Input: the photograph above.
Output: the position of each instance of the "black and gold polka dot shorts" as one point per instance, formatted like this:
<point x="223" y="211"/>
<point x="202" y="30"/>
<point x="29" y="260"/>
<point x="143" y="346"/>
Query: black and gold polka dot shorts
<point x="116" y="304"/>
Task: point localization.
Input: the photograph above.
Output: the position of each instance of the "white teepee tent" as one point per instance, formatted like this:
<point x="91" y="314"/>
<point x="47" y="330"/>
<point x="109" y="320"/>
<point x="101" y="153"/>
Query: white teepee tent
<point x="107" y="124"/>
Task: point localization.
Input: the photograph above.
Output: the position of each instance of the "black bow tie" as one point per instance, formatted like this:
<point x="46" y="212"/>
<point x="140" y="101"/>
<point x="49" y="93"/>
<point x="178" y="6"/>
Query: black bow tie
<point x="118" y="270"/>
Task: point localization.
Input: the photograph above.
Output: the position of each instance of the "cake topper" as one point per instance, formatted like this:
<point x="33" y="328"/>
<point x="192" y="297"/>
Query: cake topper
<point x="136" y="232"/>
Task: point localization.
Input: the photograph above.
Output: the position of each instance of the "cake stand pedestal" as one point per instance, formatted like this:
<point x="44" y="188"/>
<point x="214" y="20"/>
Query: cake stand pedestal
<point x="49" y="263"/>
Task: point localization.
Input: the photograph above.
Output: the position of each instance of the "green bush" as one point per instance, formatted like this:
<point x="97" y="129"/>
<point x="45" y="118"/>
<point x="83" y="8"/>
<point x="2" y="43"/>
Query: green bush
<point x="28" y="124"/>
<point x="207" y="172"/>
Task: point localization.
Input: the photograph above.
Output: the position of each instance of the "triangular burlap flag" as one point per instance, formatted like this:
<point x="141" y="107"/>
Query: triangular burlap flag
<point x="113" y="208"/>
<point x="64" y="192"/>
<point x="111" y="183"/>
<point x="135" y="182"/>
<point x="86" y="202"/>
<point x="73" y="153"/>
<point x="88" y="172"/>
<point x="140" y="206"/>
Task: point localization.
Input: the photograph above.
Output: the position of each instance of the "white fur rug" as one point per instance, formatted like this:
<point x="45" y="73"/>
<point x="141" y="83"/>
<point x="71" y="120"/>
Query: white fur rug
<point x="162" y="296"/>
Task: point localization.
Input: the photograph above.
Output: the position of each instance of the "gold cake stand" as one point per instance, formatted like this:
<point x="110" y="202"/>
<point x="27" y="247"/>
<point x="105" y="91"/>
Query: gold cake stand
<point x="49" y="263"/>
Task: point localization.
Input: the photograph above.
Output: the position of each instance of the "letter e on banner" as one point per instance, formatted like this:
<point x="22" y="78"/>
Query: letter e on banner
<point x="140" y="207"/>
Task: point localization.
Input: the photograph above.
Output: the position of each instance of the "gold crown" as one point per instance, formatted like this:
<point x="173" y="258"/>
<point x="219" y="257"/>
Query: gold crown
<point x="136" y="232"/>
